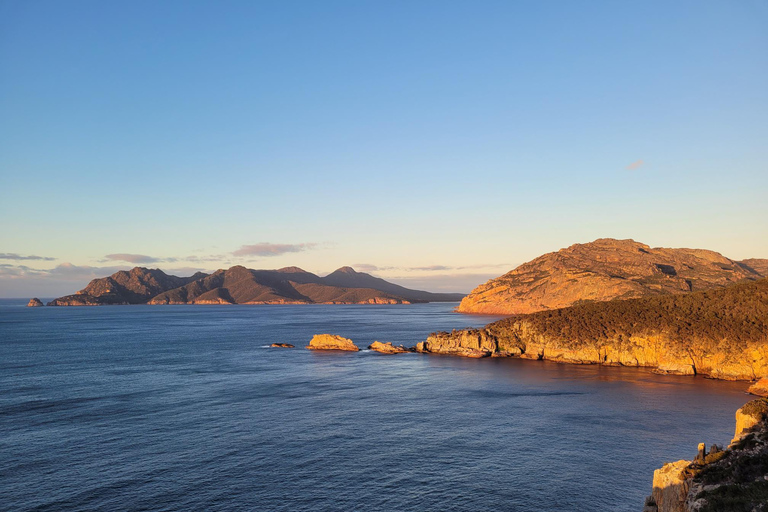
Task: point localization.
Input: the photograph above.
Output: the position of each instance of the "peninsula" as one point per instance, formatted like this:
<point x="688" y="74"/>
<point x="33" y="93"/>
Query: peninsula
<point x="720" y="333"/>
<point x="240" y="285"/>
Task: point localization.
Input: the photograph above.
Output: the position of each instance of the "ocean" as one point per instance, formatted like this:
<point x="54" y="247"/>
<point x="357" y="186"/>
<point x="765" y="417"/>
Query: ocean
<point x="186" y="408"/>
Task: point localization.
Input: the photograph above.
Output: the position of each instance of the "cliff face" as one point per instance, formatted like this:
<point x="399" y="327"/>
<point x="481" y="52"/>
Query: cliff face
<point x="719" y="333"/>
<point x="721" y="481"/>
<point x="603" y="270"/>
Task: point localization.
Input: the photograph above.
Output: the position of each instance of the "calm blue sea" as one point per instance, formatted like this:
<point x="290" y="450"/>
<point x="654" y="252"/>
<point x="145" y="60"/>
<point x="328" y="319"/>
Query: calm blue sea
<point x="183" y="408"/>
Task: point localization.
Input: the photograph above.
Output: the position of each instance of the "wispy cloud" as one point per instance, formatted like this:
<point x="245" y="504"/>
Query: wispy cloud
<point x="268" y="249"/>
<point x="368" y="267"/>
<point x="635" y="165"/>
<point x="431" y="268"/>
<point x="65" y="271"/>
<point x="133" y="258"/>
<point x="18" y="257"/>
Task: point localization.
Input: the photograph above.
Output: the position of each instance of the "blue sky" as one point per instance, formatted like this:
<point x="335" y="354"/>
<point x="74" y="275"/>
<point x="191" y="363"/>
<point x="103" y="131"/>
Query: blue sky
<point x="433" y="143"/>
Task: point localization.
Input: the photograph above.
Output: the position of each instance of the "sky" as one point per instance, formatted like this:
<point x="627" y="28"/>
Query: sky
<point x="436" y="144"/>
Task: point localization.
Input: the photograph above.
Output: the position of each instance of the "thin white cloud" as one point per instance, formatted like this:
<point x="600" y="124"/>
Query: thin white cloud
<point x="635" y="165"/>
<point x="18" y="257"/>
<point x="132" y="258"/>
<point x="268" y="249"/>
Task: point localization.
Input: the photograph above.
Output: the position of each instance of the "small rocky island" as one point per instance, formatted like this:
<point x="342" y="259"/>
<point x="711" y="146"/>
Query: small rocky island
<point x="35" y="303"/>
<point x="388" y="348"/>
<point x="331" y="342"/>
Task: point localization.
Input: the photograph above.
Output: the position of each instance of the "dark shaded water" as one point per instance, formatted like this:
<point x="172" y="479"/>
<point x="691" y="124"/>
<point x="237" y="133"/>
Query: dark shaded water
<point x="182" y="408"/>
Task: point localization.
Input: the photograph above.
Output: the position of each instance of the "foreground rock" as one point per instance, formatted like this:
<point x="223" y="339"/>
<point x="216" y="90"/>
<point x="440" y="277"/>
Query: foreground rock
<point x="35" y="303"/>
<point x="388" y="348"/>
<point x="331" y="342"/>
<point x="759" y="388"/>
<point x="282" y="345"/>
<point x="687" y="334"/>
<point x="720" y="481"/>
<point x="603" y="270"/>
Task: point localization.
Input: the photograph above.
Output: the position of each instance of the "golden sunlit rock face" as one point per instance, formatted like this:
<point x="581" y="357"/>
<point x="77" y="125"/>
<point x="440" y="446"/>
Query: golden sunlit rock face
<point x="331" y="342"/>
<point x="759" y="388"/>
<point x="387" y="348"/>
<point x="720" y="333"/>
<point x="721" y="480"/>
<point x="603" y="270"/>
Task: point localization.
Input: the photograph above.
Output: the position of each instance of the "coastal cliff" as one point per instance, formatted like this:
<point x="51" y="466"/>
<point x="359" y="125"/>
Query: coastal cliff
<point x="720" y="333"/>
<point x="603" y="270"/>
<point x="727" y="480"/>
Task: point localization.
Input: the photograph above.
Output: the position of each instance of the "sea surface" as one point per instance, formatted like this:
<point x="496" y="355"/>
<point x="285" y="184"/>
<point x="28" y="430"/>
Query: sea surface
<point x="184" y="408"/>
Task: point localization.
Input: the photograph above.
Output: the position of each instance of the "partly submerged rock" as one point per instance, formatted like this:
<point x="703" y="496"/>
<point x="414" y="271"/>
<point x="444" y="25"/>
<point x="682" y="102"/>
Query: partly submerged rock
<point x="388" y="348"/>
<point x="35" y="303"/>
<point x="282" y="345"/>
<point x="331" y="342"/>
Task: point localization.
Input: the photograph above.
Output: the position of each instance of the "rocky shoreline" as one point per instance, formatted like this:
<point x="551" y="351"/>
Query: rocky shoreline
<point x="730" y="480"/>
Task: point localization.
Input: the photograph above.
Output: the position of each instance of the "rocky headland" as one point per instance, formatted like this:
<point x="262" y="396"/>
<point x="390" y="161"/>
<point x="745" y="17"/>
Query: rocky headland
<point x="730" y="480"/>
<point x="331" y="342"/>
<point x="240" y="285"/>
<point x="720" y="333"/>
<point x="603" y="270"/>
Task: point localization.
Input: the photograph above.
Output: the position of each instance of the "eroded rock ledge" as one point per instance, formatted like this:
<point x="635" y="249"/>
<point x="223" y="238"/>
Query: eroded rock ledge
<point x="719" y="481"/>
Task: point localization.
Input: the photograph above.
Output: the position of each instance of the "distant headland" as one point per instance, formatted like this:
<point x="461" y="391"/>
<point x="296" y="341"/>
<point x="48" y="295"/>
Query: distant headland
<point x="240" y="285"/>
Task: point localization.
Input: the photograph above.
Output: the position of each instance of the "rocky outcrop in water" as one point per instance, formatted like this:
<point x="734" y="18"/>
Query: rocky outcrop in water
<point x="388" y="348"/>
<point x="281" y="345"/>
<point x="35" y="303"/>
<point x="331" y="342"/>
<point x="602" y="270"/>
<point x="719" y="333"/>
<point x="731" y="480"/>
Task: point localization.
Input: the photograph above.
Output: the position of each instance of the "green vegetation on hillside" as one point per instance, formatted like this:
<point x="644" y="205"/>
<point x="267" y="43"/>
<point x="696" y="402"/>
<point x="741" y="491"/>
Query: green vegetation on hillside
<point x="738" y="313"/>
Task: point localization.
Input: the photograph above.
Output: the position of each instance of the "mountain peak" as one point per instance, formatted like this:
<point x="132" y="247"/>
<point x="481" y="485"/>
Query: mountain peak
<point x="345" y="270"/>
<point x="292" y="270"/>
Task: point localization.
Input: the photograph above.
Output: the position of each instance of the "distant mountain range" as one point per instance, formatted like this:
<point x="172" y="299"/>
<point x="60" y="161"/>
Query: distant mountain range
<point x="603" y="270"/>
<point x="240" y="285"/>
